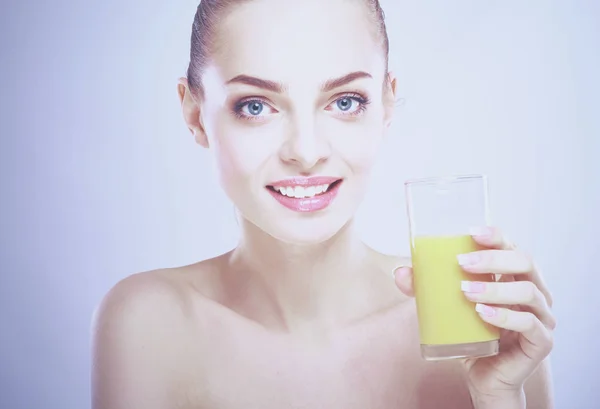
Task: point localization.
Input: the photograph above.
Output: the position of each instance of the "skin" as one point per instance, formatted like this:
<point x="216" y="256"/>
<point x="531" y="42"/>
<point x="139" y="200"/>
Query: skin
<point x="302" y="314"/>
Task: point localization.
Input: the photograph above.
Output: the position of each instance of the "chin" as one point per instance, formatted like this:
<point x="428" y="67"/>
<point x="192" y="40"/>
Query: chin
<point x="305" y="235"/>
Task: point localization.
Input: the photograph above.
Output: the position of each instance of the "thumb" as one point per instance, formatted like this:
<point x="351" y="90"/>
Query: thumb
<point x="403" y="277"/>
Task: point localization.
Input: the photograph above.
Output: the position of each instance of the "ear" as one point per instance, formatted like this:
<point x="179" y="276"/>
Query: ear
<point x="191" y="112"/>
<point x="389" y="98"/>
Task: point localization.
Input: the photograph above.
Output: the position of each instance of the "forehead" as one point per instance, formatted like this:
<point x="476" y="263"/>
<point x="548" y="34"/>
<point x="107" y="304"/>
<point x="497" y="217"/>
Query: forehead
<point x="298" y="42"/>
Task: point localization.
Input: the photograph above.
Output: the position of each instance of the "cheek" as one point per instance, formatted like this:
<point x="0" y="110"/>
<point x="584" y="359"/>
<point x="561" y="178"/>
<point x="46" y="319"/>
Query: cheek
<point x="234" y="163"/>
<point x="238" y="154"/>
<point x="358" y="143"/>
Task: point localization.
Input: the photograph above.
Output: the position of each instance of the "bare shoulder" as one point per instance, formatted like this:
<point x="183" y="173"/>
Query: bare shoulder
<point x="158" y="301"/>
<point x="138" y="293"/>
<point x="159" y="293"/>
<point x="143" y="298"/>
<point x="140" y="334"/>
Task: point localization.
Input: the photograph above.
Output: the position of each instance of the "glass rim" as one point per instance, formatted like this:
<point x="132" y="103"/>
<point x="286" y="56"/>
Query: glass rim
<point x="444" y="179"/>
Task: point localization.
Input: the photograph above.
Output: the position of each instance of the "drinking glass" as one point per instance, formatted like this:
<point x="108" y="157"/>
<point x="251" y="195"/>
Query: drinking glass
<point x="441" y="212"/>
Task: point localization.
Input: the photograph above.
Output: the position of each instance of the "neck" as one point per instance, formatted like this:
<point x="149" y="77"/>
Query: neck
<point x="294" y="285"/>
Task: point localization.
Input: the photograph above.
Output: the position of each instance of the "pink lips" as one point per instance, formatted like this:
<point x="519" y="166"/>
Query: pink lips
<point x="307" y="204"/>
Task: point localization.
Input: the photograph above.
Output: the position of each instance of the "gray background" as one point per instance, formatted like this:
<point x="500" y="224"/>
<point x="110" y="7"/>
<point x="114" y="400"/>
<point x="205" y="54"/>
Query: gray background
<point x="100" y="178"/>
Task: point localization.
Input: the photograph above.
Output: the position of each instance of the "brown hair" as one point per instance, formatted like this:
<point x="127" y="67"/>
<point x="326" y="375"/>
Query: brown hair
<point x="207" y="17"/>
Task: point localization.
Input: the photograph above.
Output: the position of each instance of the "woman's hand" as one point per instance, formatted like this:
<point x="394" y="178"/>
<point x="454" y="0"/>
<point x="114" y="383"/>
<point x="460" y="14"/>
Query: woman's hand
<point x="519" y="303"/>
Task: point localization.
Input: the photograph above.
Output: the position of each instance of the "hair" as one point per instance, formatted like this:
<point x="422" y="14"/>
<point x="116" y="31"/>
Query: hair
<point x="204" y="28"/>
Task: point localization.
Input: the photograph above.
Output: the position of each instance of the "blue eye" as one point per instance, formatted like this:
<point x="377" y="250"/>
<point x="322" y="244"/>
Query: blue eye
<point x="350" y="104"/>
<point x="252" y="109"/>
<point x="344" y="104"/>
<point x="255" y="107"/>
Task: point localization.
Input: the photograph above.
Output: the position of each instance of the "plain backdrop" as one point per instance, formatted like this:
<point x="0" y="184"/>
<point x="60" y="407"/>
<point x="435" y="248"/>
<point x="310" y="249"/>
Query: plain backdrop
<point x="101" y="179"/>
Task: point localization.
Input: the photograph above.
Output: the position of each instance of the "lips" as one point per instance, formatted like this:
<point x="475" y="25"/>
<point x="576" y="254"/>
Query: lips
<point x="302" y="194"/>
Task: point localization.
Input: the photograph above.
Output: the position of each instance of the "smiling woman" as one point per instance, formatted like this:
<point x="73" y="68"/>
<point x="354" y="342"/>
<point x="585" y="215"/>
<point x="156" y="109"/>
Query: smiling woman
<point x="267" y="115"/>
<point x="293" y="100"/>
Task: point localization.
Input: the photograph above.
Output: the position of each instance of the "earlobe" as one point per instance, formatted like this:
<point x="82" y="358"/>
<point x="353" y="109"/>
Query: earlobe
<point x="191" y="112"/>
<point x="181" y="88"/>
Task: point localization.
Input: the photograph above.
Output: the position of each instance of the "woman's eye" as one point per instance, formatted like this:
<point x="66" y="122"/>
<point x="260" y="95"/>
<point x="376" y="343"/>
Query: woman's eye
<point x="252" y="109"/>
<point x="349" y="105"/>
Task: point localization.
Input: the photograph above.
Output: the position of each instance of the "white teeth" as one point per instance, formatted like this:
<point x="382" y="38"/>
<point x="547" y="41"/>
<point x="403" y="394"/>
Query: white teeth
<point x="300" y="192"/>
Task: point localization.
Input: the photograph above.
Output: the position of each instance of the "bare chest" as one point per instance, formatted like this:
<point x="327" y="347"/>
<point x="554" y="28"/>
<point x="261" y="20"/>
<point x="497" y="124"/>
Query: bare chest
<point x="372" y="366"/>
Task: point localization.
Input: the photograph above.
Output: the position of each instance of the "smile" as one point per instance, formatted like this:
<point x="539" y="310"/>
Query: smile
<point x="305" y="194"/>
<point x="301" y="192"/>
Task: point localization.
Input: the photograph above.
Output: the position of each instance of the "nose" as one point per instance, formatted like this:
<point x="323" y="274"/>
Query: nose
<point x="303" y="146"/>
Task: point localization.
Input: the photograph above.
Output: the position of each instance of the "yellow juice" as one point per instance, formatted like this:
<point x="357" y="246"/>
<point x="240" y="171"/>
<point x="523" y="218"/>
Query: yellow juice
<point x="445" y="314"/>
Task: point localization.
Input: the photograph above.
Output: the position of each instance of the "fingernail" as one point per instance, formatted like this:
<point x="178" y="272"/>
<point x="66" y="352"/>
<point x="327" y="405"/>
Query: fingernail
<point x="485" y="310"/>
<point x="472" y="286"/>
<point x="481" y="231"/>
<point x="468" y="259"/>
<point x="394" y="271"/>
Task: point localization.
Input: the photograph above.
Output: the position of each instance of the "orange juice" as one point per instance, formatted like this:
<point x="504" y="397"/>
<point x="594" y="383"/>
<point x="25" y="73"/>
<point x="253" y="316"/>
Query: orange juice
<point x="445" y="315"/>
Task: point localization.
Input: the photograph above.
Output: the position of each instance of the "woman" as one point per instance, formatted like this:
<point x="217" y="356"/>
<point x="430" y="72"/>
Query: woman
<point x="293" y="100"/>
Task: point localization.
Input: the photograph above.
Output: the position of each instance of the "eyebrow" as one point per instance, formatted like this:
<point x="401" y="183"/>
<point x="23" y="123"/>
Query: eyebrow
<point x="334" y="83"/>
<point x="258" y="82"/>
<point x="279" y="88"/>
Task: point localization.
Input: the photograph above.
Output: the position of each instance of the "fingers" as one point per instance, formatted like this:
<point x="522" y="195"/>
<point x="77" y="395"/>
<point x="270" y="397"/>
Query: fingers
<point x="404" y="280"/>
<point x="505" y="262"/>
<point x="523" y="293"/>
<point x="502" y="257"/>
<point x="496" y="261"/>
<point x="537" y="278"/>
<point x="491" y="237"/>
<point x="536" y="341"/>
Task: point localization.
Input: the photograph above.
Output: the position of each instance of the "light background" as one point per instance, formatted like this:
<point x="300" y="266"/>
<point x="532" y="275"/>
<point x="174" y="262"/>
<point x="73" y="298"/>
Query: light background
<point x="100" y="178"/>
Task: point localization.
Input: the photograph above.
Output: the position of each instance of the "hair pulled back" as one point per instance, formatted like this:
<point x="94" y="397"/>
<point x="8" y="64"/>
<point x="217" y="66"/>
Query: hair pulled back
<point x="210" y="12"/>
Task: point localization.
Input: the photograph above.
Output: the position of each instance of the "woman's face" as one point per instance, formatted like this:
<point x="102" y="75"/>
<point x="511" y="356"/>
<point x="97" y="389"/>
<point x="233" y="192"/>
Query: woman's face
<point x="294" y="105"/>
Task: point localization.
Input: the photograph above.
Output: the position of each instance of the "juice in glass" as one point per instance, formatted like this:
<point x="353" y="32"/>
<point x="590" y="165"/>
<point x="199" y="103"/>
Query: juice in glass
<point x="445" y="315"/>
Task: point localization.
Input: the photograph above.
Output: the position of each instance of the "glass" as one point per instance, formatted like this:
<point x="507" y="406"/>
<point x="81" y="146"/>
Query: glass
<point x="441" y="212"/>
